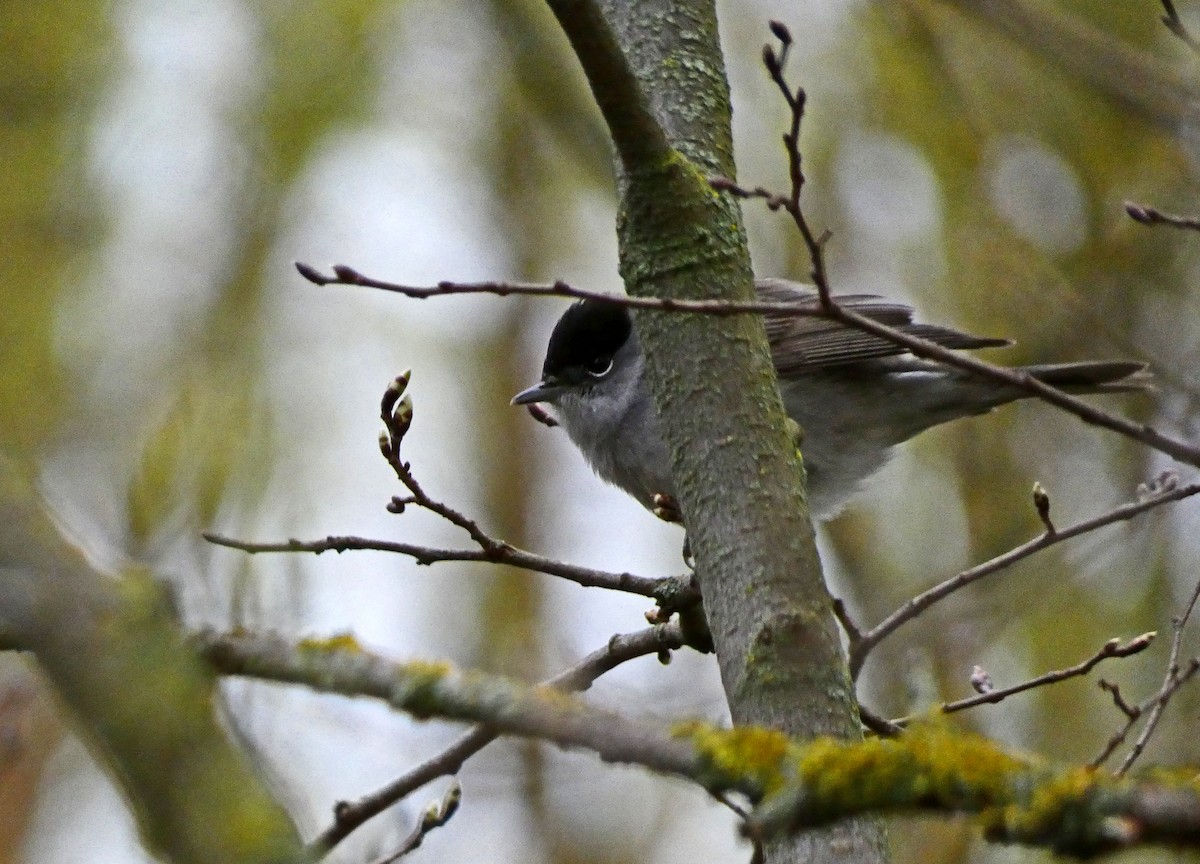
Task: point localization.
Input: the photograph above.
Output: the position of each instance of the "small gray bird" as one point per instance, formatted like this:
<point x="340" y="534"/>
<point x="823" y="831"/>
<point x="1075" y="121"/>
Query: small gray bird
<point x="854" y="395"/>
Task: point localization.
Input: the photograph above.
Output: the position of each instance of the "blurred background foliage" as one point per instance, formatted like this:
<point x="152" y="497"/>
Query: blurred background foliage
<point x="163" y="370"/>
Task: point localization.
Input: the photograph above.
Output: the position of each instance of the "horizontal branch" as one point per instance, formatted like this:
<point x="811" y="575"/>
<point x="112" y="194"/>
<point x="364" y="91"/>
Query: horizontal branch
<point x="797" y="784"/>
<point x="673" y="591"/>
<point x="343" y="275"/>
<point x="1181" y="450"/>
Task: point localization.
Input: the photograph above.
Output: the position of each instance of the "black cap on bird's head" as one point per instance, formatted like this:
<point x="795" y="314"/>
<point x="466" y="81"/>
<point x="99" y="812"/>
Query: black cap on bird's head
<point x="581" y="349"/>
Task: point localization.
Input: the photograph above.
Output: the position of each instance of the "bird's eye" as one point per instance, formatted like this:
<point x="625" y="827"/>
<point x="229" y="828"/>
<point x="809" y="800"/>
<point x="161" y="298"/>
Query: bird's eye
<point x="599" y="366"/>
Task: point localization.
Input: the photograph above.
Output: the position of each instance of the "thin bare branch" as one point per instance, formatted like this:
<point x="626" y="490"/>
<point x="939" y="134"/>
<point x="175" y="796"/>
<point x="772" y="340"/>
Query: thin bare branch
<point x="350" y="815"/>
<point x="1150" y="216"/>
<point x="1112" y="648"/>
<point x="796" y="101"/>
<point x="343" y="275"/>
<point x="675" y="591"/>
<point x="435" y="815"/>
<point x="915" y="606"/>
<point x="1172" y="681"/>
<point x="1181" y="450"/>
<point x="1132" y="712"/>
<point x="989" y="695"/>
<point x="396" y="411"/>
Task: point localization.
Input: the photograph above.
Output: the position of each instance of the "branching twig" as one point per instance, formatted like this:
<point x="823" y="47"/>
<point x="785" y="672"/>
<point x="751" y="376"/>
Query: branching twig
<point x="350" y="815"/>
<point x="860" y="648"/>
<point x="435" y="815"/>
<point x="1130" y="711"/>
<point x="796" y="101"/>
<point x="1180" y="450"/>
<point x="677" y="590"/>
<point x="396" y="411"/>
<point x="1174" y="678"/>
<point x="672" y="593"/>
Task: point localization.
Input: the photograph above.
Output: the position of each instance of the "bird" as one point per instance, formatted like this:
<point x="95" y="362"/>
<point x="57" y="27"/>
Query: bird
<point x="854" y="395"/>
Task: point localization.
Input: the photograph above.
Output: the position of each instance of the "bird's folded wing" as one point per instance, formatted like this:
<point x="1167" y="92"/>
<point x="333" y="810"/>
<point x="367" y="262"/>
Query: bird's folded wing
<point x="804" y="342"/>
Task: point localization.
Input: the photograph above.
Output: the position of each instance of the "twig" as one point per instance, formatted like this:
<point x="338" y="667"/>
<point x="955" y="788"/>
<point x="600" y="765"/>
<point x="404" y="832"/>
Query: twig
<point x="988" y="695"/>
<point x="1150" y="216"/>
<point x="796" y="101"/>
<point x="1130" y="711"/>
<point x="915" y="606"/>
<point x="1112" y="648"/>
<point x="349" y="816"/>
<point x="675" y="591"/>
<point x="396" y="411"/>
<point x="1173" y="23"/>
<point x="1174" y="679"/>
<point x="343" y="275"/>
<point x="1157" y="702"/>
<point x="1180" y="450"/>
<point x="436" y="815"/>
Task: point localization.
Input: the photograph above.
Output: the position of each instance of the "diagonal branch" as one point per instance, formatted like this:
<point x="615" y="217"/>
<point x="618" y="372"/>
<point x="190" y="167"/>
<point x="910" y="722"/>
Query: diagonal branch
<point x="1176" y="676"/>
<point x="861" y="647"/>
<point x="350" y="815"/>
<point x="635" y="131"/>
<point x="438" y="689"/>
<point x="1111" y="649"/>
<point x="1174" y="23"/>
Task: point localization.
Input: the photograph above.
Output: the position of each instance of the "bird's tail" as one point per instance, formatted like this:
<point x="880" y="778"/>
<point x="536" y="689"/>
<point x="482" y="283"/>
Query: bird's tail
<point x="1094" y="376"/>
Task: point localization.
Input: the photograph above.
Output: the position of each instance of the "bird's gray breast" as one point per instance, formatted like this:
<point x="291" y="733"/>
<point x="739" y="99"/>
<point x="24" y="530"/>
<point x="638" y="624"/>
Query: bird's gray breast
<point x="622" y="442"/>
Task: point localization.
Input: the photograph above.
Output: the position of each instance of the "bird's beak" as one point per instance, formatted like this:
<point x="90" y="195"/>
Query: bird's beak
<point x="545" y="391"/>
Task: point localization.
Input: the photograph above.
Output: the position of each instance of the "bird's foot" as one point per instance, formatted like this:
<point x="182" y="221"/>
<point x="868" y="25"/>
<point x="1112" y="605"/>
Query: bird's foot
<point x="666" y="508"/>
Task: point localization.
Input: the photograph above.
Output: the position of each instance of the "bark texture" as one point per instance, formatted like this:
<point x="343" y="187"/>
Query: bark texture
<point x="736" y="474"/>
